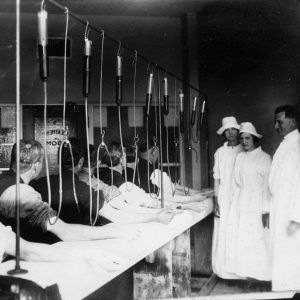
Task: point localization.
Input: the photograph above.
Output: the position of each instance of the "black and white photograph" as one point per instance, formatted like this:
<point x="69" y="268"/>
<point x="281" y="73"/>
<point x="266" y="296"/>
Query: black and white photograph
<point x="149" y="149"/>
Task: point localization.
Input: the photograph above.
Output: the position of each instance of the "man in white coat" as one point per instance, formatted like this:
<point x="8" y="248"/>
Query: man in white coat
<point x="284" y="182"/>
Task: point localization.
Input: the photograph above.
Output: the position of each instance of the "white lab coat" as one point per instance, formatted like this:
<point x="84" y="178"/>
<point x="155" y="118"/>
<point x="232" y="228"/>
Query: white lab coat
<point x="247" y="249"/>
<point x="223" y="170"/>
<point x="284" y="182"/>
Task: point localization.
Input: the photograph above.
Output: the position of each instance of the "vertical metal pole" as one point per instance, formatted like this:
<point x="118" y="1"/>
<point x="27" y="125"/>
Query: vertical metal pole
<point x="17" y="269"/>
<point x="160" y="143"/>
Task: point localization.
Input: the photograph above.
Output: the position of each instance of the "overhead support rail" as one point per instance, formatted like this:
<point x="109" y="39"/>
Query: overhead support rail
<point x="143" y="57"/>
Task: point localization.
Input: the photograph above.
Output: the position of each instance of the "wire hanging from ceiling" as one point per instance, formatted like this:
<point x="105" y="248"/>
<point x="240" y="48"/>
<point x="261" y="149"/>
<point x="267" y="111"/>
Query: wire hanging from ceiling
<point x="125" y="47"/>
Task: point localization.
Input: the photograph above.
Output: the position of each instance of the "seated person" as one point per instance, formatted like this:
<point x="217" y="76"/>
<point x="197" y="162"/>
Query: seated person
<point x="75" y="206"/>
<point x="36" y="217"/>
<point x="114" y="161"/>
<point x="148" y="158"/>
<point x="131" y="165"/>
<point x="114" y="207"/>
<point x="109" y="191"/>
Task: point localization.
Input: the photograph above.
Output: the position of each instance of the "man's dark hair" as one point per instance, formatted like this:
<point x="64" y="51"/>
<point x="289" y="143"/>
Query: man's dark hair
<point x="77" y="152"/>
<point x="115" y="145"/>
<point x="31" y="151"/>
<point x="113" y="157"/>
<point x="130" y="154"/>
<point x="143" y="146"/>
<point x="93" y="156"/>
<point x="289" y="110"/>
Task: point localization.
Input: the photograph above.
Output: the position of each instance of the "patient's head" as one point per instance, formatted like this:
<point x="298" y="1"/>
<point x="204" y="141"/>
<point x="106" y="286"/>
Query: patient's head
<point x="149" y="152"/>
<point x="130" y="154"/>
<point x="77" y="154"/>
<point x="113" y="157"/>
<point x="31" y="156"/>
<point x="93" y="157"/>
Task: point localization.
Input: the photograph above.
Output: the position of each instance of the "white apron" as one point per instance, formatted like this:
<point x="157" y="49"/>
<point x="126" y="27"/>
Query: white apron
<point x="223" y="170"/>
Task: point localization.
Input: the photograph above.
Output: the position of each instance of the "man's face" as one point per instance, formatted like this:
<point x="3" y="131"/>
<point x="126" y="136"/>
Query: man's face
<point x="123" y="160"/>
<point x="38" y="168"/>
<point x="283" y="125"/>
<point x="39" y="165"/>
<point x="154" y="154"/>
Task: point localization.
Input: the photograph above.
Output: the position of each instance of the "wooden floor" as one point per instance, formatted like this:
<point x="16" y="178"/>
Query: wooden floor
<point x="217" y="288"/>
<point x="240" y="286"/>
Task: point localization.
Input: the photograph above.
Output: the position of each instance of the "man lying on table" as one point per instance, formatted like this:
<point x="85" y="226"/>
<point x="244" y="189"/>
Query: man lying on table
<point x="36" y="217"/>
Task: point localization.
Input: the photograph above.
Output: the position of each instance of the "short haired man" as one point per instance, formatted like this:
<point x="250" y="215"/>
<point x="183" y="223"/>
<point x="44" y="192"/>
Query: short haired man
<point x="114" y="161"/>
<point x="284" y="186"/>
<point x="109" y="191"/>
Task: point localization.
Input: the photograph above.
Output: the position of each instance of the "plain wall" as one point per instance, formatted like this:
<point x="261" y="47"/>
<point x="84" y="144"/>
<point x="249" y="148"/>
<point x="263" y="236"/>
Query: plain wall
<point x="248" y="63"/>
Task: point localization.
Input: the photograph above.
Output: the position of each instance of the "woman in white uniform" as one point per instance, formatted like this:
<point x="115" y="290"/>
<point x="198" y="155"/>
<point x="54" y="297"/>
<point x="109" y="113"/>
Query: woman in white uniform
<point x="223" y="174"/>
<point x="247" y="250"/>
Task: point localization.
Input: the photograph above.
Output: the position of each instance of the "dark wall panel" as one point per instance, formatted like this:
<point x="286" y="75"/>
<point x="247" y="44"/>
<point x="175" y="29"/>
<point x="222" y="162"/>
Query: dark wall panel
<point x="249" y="63"/>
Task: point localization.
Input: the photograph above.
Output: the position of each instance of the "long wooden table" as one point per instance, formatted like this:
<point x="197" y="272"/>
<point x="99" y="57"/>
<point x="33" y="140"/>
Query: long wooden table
<point x="80" y="279"/>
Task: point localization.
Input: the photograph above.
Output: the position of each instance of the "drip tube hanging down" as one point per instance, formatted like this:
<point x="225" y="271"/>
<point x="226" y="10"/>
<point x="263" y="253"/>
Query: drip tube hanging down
<point x="136" y="137"/>
<point x="44" y="74"/>
<point x="102" y="144"/>
<point x="166" y="112"/>
<point x="149" y="95"/>
<point x="86" y="87"/>
<point x="119" y="98"/>
<point x="160" y="141"/>
<point x="65" y="143"/>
